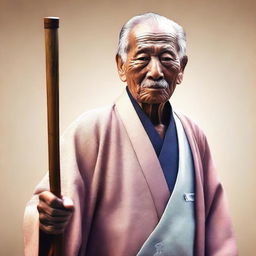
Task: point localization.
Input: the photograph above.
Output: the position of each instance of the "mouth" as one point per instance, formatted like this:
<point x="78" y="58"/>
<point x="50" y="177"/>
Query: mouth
<point x="154" y="86"/>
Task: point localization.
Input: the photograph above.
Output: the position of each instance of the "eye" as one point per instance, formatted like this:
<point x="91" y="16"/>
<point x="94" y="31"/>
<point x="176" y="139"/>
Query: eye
<point x="143" y="58"/>
<point x="166" y="57"/>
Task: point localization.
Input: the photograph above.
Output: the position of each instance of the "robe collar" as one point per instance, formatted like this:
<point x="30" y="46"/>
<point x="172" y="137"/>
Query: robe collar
<point x="158" y="187"/>
<point x="146" y="155"/>
<point x="155" y="138"/>
<point x="166" y="148"/>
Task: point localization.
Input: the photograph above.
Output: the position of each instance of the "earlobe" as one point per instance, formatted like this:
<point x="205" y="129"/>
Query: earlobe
<point x="121" y="68"/>
<point x="180" y="77"/>
<point x="184" y="62"/>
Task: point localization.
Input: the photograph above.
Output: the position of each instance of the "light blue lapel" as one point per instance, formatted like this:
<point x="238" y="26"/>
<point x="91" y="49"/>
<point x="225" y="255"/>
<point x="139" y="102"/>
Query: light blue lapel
<point x="175" y="233"/>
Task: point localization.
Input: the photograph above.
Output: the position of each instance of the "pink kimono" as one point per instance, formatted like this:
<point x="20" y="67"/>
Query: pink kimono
<point x="111" y="171"/>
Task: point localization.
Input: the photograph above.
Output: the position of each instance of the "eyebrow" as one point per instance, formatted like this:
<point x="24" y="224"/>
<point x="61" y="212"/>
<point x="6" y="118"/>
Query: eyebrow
<point x="148" y="49"/>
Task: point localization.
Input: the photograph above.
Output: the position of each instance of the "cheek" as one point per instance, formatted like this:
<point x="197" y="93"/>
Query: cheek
<point x="134" y="66"/>
<point x="171" y="73"/>
<point x="136" y="74"/>
<point x="174" y="67"/>
<point x="132" y="78"/>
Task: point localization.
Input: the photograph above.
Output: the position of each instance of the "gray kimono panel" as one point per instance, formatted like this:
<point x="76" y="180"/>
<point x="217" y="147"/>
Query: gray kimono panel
<point x="175" y="233"/>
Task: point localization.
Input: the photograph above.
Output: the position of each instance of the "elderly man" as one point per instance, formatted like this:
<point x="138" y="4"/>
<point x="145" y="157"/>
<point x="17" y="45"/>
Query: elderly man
<point x="140" y="176"/>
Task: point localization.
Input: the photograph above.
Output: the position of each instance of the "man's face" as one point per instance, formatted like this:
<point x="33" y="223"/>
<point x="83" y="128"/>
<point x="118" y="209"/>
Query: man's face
<point x="153" y="67"/>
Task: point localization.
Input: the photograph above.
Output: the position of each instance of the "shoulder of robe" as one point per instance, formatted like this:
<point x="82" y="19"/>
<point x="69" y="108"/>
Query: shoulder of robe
<point x="82" y="139"/>
<point x="88" y="127"/>
<point x="192" y="127"/>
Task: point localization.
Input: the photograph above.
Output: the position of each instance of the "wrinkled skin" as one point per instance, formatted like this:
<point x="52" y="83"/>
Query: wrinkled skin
<point x="152" y="69"/>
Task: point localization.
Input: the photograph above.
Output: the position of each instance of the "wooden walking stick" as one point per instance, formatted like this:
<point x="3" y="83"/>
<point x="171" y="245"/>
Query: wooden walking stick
<point x="51" y="25"/>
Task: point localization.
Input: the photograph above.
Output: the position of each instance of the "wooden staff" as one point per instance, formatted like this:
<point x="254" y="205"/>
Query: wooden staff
<point x="51" y="25"/>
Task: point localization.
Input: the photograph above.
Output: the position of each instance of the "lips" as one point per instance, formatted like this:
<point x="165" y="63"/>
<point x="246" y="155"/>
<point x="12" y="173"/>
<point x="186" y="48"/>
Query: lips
<point x="155" y="87"/>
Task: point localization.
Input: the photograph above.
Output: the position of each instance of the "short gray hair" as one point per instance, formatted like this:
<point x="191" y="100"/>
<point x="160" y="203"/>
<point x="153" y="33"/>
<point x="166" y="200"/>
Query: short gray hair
<point x="123" y="44"/>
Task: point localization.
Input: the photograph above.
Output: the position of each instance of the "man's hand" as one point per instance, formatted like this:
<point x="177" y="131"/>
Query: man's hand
<point x="54" y="213"/>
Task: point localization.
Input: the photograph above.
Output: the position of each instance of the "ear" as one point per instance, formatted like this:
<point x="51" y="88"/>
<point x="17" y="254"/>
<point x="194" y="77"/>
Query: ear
<point x="183" y="64"/>
<point x="120" y="68"/>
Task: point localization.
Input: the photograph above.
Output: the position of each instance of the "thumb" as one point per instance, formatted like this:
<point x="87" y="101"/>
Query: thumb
<point x="68" y="203"/>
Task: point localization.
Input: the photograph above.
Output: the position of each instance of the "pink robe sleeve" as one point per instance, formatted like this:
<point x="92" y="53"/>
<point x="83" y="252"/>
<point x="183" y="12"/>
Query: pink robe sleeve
<point x="72" y="186"/>
<point x="31" y="221"/>
<point x="219" y="235"/>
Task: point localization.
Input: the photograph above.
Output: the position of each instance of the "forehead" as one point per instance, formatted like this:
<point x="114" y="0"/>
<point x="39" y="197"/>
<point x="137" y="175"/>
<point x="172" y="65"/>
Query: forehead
<point x="152" y="33"/>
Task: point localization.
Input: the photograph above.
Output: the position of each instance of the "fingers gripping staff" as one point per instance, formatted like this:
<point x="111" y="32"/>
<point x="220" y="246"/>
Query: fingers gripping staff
<point x="54" y="213"/>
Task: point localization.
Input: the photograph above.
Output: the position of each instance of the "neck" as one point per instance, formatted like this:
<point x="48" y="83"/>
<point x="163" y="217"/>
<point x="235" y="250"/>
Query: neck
<point x="154" y="112"/>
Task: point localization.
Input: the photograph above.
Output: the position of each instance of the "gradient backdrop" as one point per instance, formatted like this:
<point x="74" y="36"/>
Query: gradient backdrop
<point x="218" y="91"/>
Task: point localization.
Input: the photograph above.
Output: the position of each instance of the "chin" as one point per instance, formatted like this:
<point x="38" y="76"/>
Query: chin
<point x="153" y="96"/>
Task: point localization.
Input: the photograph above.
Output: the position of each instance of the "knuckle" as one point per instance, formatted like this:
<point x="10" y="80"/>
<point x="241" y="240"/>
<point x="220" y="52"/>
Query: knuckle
<point x="51" y="202"/>
<point x="53" y="212"/>
<point x="41" y="217"/>
<point x="44" y="228"/>
<point x="43" y="195"/>
<point x="39" y="208"/>
<point x="49" y="229"/>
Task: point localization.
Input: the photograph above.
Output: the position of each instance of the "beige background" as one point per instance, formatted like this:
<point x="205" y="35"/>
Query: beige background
<point x="218" y="91"/>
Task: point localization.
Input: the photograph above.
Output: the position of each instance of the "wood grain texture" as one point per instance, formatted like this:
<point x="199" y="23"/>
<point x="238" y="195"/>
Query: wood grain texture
<point x="52" y="81"/>
<point x="51" y="245"/>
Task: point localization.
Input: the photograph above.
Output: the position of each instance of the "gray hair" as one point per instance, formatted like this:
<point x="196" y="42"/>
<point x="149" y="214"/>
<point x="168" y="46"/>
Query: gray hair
<point x="123" y="44"/>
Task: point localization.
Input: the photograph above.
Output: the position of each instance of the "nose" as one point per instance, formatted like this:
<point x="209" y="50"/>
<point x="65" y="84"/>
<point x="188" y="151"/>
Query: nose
<point x="155" y="71"/>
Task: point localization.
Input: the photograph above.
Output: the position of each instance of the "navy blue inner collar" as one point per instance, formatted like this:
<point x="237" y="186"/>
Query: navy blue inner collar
<point x="166" y="149"/>
<point x="154" y="137"/>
